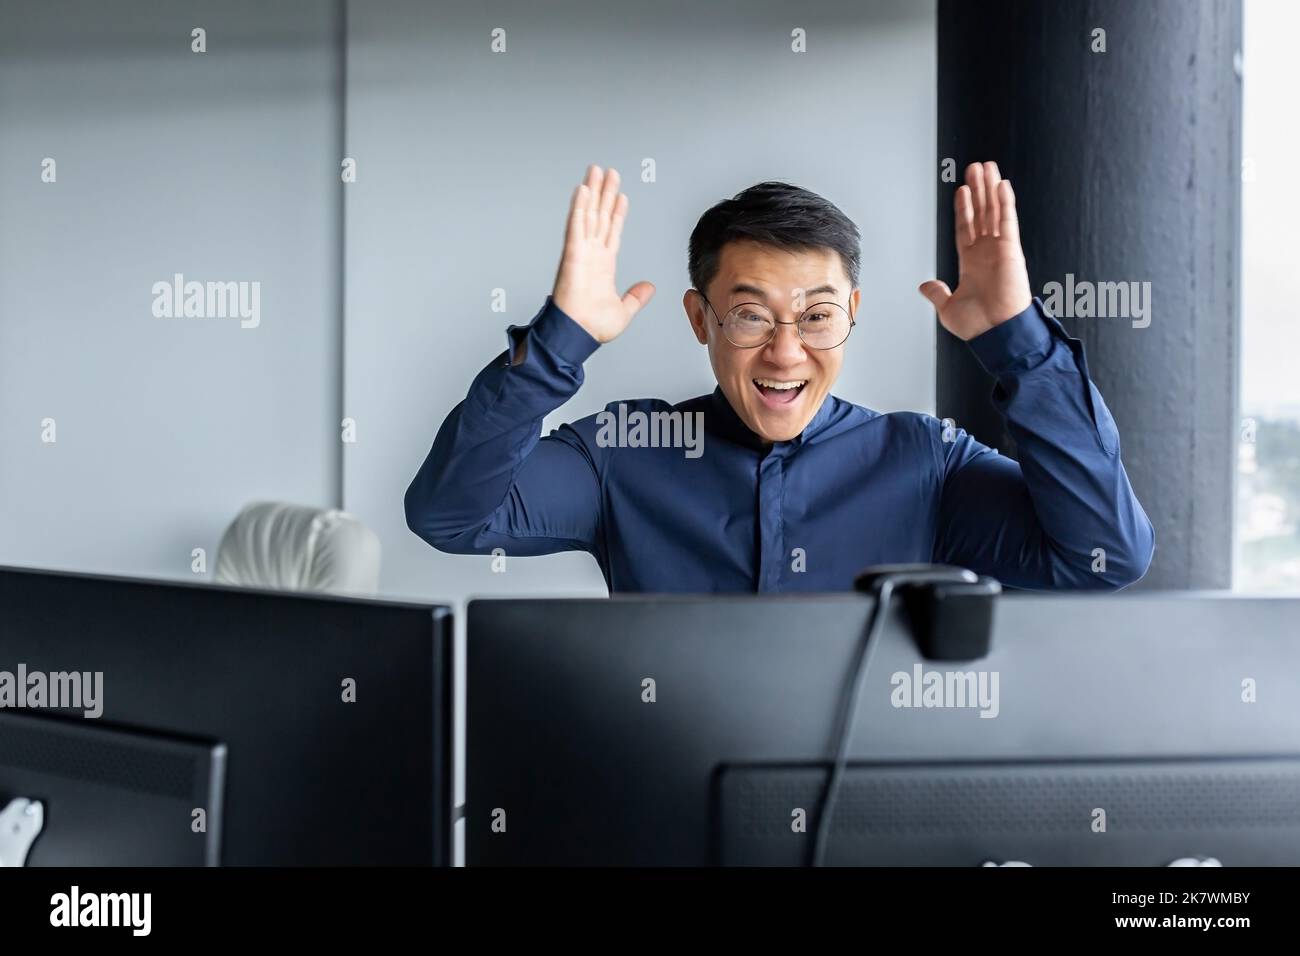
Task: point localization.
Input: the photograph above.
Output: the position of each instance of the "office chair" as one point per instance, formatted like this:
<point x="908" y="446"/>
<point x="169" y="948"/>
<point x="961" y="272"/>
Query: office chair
<point x="281" y="546"/>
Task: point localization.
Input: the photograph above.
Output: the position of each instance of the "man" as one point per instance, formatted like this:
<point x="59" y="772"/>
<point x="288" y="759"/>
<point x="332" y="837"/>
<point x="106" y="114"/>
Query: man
<point x="787" y="488"/>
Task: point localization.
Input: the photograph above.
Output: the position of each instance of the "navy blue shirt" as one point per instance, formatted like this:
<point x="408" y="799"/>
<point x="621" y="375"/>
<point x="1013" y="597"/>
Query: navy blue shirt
<point x="856" y="488"/>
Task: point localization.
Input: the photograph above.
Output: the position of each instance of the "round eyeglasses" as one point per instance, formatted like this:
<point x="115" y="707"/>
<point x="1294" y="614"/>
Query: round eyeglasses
<point x="823" y="325"/>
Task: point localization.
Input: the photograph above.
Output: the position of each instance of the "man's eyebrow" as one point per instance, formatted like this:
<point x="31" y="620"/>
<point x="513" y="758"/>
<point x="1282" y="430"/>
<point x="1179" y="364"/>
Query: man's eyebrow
<point x="747" y="289"/>
<point x="828" y="289"/>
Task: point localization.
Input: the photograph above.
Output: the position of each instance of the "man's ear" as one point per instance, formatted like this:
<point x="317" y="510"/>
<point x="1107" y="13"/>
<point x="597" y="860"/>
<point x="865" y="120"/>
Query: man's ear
<point x="697" y="312"/>
<point x="854" y="299"/>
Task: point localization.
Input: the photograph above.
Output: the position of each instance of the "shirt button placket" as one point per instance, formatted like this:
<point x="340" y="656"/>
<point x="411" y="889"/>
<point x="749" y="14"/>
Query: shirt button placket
<point x="771" y="478"/>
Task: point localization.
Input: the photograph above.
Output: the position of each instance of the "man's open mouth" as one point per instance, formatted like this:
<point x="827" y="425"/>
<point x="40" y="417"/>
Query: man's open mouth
<point x="776" y="392"/>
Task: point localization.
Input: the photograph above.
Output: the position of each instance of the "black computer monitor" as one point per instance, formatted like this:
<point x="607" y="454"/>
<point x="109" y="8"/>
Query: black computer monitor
<point x="1129" y="729"/>
<point x="98" y="794"/>
<point x="320" y="726"/>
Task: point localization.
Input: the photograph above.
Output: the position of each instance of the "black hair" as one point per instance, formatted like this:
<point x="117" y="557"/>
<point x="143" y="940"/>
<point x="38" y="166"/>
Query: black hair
<point x="775" y="214"/>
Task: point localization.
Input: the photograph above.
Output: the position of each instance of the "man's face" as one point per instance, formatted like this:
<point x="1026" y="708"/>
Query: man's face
<point x="756" y="381"/>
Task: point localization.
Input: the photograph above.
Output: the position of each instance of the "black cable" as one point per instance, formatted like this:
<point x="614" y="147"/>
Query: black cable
<point x="883" y="586"/>
<point x="848" y="716"/>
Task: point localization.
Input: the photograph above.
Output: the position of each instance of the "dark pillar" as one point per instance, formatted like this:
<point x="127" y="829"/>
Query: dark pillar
<point x="1127" y="168"/>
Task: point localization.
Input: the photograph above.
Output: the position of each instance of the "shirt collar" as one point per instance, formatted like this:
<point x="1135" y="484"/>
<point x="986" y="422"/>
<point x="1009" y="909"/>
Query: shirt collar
<point x="725" y="422"/>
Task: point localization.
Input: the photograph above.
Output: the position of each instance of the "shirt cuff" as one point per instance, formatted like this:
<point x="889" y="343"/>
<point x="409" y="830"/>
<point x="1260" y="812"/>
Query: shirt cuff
<point x="555" y="331"/>
<point x="1018" y="344"/>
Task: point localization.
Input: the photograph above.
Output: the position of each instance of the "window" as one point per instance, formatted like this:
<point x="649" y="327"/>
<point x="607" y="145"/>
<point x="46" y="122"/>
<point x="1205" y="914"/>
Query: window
<point x="1268" y="480"/>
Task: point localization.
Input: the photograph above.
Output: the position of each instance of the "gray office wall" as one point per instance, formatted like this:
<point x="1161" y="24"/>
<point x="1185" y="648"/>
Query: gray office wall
<point x="223" y="166"/>
<point x="220" y="166"/>
<point x="466" y="159"/>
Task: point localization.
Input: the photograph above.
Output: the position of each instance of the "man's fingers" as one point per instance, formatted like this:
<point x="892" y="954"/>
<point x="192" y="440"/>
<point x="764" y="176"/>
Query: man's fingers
<point x="975" y="180"/>
<point x="992" y="180"/>
<point x="636" y="298"/>
<point x="937" y="292"/>
<point x="577" y="227"/>
<point x="963" y="217"/>
<point x="616" y="221"/>
<point x="1009" y="225"/>
<point x="595" y="175"/>
<point x="608" y="196"/>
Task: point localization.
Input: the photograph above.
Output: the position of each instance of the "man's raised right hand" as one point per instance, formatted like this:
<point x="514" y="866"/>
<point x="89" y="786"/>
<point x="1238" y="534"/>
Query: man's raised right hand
<point x="584" y="282"/>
